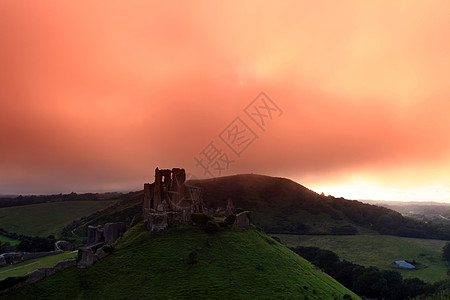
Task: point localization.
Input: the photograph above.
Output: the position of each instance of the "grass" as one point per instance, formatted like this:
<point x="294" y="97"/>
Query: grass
<point x="380" y="251"/>
<point x="33" y="264"/>
<point x="4" y="239"/>
<point x="46" y="218"/>
<point x="244" y="264"/>
<point x="123" y="211"/>
<point x="279" y="205"/>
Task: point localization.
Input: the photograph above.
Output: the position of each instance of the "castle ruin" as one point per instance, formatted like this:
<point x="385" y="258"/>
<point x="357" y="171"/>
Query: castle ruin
<point x="167" y="200"/>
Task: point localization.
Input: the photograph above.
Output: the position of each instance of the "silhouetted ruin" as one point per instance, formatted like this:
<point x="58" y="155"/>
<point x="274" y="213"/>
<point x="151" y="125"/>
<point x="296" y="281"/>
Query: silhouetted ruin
<point x="168" y="201"/>
<point x="107" y="234"/>
<point x="165" y="200"/>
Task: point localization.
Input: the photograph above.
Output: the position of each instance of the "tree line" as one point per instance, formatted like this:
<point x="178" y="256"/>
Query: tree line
<point x="370" y="281"/>
<point x="27" y="243"/>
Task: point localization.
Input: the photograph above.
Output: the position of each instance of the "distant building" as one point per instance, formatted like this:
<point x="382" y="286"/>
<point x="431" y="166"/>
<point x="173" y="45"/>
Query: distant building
<point x="401" y="264"/>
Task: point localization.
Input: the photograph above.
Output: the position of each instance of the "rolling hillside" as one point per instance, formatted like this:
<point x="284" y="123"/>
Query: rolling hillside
<point x="280" y="205"/>
<point x="244" y="264"/>
<point x="122" y="211"/>
<point x="43" y="219"/>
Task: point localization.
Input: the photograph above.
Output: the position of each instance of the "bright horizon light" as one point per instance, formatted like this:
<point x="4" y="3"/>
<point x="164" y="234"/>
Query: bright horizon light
<point x="366" y="190"/>
<point x="94" y="97"/>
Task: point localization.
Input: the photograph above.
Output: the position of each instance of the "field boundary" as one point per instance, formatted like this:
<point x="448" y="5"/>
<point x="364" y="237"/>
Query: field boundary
<point x="42" y="273"/>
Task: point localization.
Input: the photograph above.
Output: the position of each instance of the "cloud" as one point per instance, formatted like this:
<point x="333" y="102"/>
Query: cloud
<point x="95" y="95"/>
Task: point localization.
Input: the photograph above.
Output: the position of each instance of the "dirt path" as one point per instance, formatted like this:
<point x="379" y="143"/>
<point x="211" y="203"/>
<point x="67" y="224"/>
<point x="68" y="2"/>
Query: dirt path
<point x="20" y="267"/>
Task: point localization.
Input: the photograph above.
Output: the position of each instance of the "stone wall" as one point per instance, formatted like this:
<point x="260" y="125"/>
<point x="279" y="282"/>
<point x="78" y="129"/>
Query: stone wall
<point x="31" y="255"/>
<point x="17" y="257"/>
<point x="166" y="202"/>
<point x="157" y="221"/>
<point x="230" y="207"/>
<point x="242" y="220"/>
<point x="10" y="258"/>
<point x="41" y="273"/>
<point x="107" y="234"/>
<point x="95" y="234"/>
<point x="87" y="258"/>
<point x="112" y="231"/>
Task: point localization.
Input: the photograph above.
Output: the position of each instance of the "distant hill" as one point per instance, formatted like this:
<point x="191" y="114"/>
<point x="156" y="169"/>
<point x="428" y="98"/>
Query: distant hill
<point x="44" y="219"/>
<point x="281" y="205"/>
<point x="48" y="214"/>
<point x="9" y="201"/>
<point x="231" y="264"/>
<point x="425" y="211"/>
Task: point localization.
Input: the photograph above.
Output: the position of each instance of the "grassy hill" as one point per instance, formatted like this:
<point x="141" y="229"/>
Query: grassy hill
<point x="280" y="205"/>
<point x="122" y="211"/>
<point x="243" y="264"/>
<point x="380" y="251"/>
<point x="44" y="219"/>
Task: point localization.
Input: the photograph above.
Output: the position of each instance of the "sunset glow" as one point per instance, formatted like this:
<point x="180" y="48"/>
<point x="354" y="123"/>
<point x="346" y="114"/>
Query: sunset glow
<point x="96" y="94"/>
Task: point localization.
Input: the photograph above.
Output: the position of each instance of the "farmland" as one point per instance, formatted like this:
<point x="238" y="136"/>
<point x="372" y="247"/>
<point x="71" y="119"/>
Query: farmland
<point x="380" y="251"/>
<point x="47" y="218"/>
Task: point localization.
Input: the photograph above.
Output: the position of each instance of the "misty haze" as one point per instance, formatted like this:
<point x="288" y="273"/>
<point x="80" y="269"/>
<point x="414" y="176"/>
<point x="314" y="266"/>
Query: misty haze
<point x="218" y="150"/>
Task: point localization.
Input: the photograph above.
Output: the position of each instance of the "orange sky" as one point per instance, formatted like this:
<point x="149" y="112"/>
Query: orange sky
<point x="95" y="94"/>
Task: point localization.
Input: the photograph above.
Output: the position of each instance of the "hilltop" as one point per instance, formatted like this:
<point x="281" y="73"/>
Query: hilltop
<point x="243" y="264"/>
<point x="280" y="205"/>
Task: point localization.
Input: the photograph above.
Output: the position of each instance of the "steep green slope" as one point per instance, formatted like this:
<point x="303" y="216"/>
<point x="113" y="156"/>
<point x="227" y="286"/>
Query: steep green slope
<point x="243" y="264"/>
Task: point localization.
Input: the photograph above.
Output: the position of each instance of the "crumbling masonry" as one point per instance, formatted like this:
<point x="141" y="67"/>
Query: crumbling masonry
<point x="167" y="201"/>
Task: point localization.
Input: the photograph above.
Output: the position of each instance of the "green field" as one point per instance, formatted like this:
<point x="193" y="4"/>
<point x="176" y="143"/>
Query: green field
<point x="380" y="251"/>
<point x="33" y="264"/>
<point x="238" y="264"/>
<point x="4" y="239"/>
<point x="46" y="218"/>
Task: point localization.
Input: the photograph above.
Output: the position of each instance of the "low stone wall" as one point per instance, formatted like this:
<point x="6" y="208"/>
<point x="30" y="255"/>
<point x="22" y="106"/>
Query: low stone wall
<point x="31" y="255"/>
<point x="7" y="259"/>
<point x="17" y="257"/>
<point x="41" y="273"/>
<point x="88" y="257"/>
<point x="242" y="220"/>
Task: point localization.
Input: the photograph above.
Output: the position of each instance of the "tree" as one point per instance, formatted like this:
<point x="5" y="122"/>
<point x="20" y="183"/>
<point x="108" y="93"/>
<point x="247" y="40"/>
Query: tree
<point x="446" y="252"/>
<point x="193" y="258"/>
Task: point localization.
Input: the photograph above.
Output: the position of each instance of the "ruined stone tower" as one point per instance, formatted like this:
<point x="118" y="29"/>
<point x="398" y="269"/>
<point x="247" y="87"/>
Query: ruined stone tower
<point x="165" y="201"/>
<point x="168" y="201"/>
